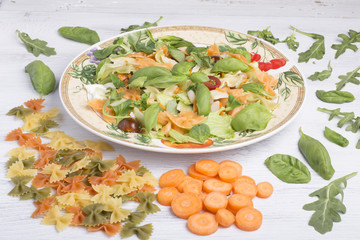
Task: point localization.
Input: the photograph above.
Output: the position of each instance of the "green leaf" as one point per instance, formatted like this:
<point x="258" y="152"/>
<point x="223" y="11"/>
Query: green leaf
<point x="325" y="74"/>
<point x="202" y="60"/>
<point x="35" y="46"/>
<point x="200" y="132"/>
<point x="288" y="168"/>
<point x="350" y="77"/>
<point x="104" y="53"/>
<point x="116" y="81"/>
<point x="41" y="76"/>
<point x="291" y="79"/>
<point x="358" y="144"/>
<point x="80" y="34"/>
<point x="142" y="232"/>
<point x="257" y="88"/>
<point x="266" y="35"/>
<point x="335" y="96"/>
<point x="232" y="103"/>
<point x="144" y="25"/>
<point x="291" y="43"/>
<point x="354" y="126"/>
<point x="317" y="49"/>
<point x="328" y="206"/>
<point x="150" y="117"/>
<point x="176" y="54"/>
<point x="335" y="137"/>
<point x="176" y="137"/>
<point x="346" y="43"/>
<point x="20" y="112"/>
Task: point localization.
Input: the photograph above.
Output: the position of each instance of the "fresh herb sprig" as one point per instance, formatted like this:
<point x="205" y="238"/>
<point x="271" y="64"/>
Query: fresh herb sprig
<point x="35" y="46"/>
<point x="350" y="77"/>
<point x="145" y="25"/>
<point x="347" y="42"/>
<point x="321" y="76"/>
<point x="291" y="43"/>
<point x="328" y="206"/>
<point x="316" y="50"/>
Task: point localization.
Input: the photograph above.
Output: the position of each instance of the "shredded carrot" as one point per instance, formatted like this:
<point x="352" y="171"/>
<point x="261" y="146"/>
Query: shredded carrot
<point x="147" y="62"/>
<point x="96" y="104"/>
<point x="240" y="57"/>
<point x="268" y="81"/>
<point x="213" y="50"/>
<point x="163" y="107"/>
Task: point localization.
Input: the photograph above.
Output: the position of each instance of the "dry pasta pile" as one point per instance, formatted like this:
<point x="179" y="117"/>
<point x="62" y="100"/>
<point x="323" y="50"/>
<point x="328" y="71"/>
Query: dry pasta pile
<point x="69" y="181"/>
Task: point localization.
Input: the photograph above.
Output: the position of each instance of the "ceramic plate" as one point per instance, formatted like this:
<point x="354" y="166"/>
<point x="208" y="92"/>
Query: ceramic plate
<point x="290" y="89"/>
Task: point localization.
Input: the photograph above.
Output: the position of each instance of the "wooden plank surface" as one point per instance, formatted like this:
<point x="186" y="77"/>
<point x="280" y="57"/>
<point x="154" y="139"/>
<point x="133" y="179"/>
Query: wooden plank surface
<point x="283" y="214"/>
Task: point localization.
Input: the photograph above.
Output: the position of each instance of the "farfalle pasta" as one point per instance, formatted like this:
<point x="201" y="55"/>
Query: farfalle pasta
<point x="70" y="183"/>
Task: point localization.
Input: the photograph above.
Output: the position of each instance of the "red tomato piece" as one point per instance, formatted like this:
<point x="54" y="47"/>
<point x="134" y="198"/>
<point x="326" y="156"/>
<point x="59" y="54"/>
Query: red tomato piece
<point x="213" y="83"/>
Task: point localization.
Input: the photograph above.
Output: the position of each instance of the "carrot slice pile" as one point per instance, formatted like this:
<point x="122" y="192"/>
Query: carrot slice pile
<point x="219" y="190"/>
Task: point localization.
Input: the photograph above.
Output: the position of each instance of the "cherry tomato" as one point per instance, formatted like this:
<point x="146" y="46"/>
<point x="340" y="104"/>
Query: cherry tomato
<point x="213" y="83"/>
<point x="129" y="125"/>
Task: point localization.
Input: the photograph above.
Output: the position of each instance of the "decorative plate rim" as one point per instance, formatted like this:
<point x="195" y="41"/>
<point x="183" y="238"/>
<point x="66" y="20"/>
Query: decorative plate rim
<point x="165" y="149"/>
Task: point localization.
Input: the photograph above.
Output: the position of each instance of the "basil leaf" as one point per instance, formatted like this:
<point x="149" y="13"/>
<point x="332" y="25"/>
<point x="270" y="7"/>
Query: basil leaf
<point x="227" y="65"/>
<point x="256" y="88"/>
<point x="198" y="77"/>
<point x="183" y="68"/>
<point x="350" y="77"/>
<point x="35" y="46"/>
<point x="150" y="72"/>
<point x="316" y="50"/>
<point x="253" y="117"/>
<point x="288" y="168"/>
<point x="145" y="25"/>
<point x="137" y="83"/>
<point x="150" y="116"/>
<point x="325" y="74"/>
<point x="200" y="132"/>
<point x="80" y="34"/>
<point x="41" y="76"/>
<point x="104" y="53"/>
<point x="335" y="96"/>
<point x="335" y="137"/>
<point x="123" y="108"/>
<point x="165" y="81"/>
<point x="232" y="103"/>
<point x="346" y="43"/>
<point x="328" y="206"/>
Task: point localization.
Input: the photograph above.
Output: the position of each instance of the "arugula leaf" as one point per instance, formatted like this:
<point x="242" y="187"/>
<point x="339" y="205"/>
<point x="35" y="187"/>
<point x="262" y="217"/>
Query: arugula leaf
<point x="350" y="77"/>
<point x="328" y="207"/>
<point x="202" y="60"/>
<point x="347" y="43"/>
<point x="35" y="46"/>
<point x="266" y="35"/>
<point x="354" y="126"/>
<point x="291" y="43"/>
<point x="345" y="116"/>
<point x="145" y="25"/>
<point x="317" y="50"/>
<point x="325" y="74"/>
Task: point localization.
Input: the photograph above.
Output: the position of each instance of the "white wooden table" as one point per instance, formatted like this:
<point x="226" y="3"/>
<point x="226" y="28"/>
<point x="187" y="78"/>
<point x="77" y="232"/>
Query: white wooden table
<point x="283" y="214"/>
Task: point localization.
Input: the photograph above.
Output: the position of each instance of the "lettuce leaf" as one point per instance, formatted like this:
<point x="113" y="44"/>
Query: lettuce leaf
<point x="220" y="124"/>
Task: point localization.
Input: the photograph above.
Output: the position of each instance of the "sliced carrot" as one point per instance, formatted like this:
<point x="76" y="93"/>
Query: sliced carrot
<point x="171" y="178"/>
<point x="228" y="174"/>
<point x="193" y="186"/>
<point x="186" y="204"/>
<point x="215" y="201"/>
<point x="166" y="195"/>
<point x="264" y="190"/>
<point x="239" y="201"/>
<point x="195" y="174"/>
<point x="207" y="167"/>
<point x="224" y="217"/>
<point x="248" y="219"/>
<point x="180" y="187"/>
<point x="203" y="196"/>
<point x="202" y="224"/>
<point x="208" y="142"/>
<point x="233" y="164"/>
<point x="215" y="185"/>
<point x="245" y="188"/>
<point x="244" y="179"/>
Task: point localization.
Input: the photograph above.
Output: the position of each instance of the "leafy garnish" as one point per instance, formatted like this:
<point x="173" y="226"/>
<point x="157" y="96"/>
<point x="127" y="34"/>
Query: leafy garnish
<point x="35" y="46"/>
<point x="20" y="111"/>
<point x="200" y="132"/>
<point x="80" y="34"/>
<point x="291" y="43"/>
<point x="328" y="206"/>
<point x="266" y="35"/>
<point x="347" y="43"/>
<point x="142" y="232"/>
<point x="350" y="77"/>
<point x="325" y="74"/>
<point x="145" y="25"/>
<point x="232" y="103"/>
<point x="317" y="49"/>
<point x="345" y="116"/>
